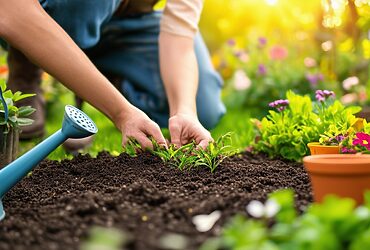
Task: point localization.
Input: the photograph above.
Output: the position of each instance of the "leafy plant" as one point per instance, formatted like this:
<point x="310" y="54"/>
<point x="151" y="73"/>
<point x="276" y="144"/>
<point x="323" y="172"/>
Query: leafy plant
<point x="298" y="121"/>
<point x="17" y="115"/>
<point x="215" y="153"/>
<point x="333" y="225"/>
<point x="189" y="155"/>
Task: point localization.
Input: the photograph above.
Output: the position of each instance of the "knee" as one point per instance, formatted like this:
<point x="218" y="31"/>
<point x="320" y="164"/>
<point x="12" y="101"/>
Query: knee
<point x="209" y="103"/>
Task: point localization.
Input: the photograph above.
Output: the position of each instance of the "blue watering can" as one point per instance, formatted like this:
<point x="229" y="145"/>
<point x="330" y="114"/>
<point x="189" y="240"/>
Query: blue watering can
<point x="76" y="124"/>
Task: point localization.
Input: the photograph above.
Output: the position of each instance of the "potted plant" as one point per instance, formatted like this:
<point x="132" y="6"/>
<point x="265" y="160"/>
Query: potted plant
<point x="339" y="121"/>
<point x="12" y="118"/>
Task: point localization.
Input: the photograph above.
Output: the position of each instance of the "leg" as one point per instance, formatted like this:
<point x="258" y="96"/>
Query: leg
<point x="129" y="49"/>
<point x="24" y="76"/>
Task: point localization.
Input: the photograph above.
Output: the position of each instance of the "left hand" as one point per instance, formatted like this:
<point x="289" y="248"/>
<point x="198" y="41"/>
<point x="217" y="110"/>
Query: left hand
<point x="185" y="128"/>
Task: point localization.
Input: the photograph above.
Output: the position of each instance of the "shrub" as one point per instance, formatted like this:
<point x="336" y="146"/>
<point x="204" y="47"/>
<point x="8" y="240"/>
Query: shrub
<point x="297" y="121"/>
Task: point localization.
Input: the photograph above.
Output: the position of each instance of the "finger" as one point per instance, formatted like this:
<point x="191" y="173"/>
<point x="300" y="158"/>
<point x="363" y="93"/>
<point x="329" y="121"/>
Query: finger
<point x="153" y="130"/>
<point x="144" y="141"/>
<point x="175" y="133"/>
<point x="204" y="143"/>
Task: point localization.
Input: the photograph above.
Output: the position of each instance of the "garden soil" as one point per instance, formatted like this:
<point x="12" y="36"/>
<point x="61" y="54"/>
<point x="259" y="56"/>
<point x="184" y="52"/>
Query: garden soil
<point x="56" y="206"/>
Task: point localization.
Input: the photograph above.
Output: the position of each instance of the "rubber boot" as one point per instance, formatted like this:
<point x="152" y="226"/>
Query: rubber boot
<point x="24" y="76"/>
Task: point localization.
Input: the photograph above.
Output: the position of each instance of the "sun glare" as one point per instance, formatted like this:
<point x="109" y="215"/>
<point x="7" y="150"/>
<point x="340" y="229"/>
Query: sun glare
<point x="272" y="2"/>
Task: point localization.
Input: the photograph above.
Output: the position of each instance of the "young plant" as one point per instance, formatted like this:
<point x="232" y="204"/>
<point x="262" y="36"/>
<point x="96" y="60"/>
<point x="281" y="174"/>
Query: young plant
<point x="189" y="155"/>
<point x="332" y="225"/>
<point x="298" y="121"/>
<point x="215" y="153"/>
<point x="17" y="115"/>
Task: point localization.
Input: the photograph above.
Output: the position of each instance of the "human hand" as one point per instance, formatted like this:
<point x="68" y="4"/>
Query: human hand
<point x="135" y="124"/>
<point x="185" y="128"/>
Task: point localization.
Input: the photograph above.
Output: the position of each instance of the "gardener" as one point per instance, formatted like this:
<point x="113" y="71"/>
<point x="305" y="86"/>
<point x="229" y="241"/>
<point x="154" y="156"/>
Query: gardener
<point x="130" y="44"/>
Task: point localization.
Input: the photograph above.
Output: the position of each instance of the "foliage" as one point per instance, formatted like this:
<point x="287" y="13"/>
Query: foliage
<point x="189" y="155"/>
<point x="286" y="132"/>
<point x="17" y="115"/>
<point x="333" y="225"/>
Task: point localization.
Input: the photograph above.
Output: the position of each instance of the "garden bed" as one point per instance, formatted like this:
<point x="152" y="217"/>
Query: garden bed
<point x="55" y="207"/>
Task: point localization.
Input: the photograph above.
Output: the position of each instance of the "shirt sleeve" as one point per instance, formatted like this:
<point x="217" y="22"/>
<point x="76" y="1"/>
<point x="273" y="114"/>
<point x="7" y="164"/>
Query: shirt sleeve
<point x="181" y="17"/>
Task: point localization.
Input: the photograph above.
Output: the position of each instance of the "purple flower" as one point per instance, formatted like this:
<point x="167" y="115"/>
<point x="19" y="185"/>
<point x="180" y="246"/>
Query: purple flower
<point x="262" y="70"/>
<point x="314" y="79"/>
<point x="231" y="42"/>
<point x="322" y="95"/>
<point x="280" y="105"/>
<point x="346" y="150"/>
<point x="262" y="41"/>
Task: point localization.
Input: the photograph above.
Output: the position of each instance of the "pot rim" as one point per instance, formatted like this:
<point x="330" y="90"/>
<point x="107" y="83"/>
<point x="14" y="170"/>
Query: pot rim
<point x="338" y="164"/>
<point x="318" y="145"/>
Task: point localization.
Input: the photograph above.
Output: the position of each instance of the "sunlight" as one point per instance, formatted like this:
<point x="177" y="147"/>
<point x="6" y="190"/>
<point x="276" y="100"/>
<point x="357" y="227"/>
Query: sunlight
<point x="272" y="2"/>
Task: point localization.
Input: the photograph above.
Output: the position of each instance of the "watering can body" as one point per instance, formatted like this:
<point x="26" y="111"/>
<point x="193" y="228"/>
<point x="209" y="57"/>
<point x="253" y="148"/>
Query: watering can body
<point x="76" y="124"/>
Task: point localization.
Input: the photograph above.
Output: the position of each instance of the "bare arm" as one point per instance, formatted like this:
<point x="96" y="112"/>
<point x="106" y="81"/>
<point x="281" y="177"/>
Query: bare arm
<point x="179" y="70"/>
<point x="27" y="27"/>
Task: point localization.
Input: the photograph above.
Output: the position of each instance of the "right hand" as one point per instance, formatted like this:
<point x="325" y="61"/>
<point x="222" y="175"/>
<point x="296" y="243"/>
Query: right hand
<point x="135" y="124"/>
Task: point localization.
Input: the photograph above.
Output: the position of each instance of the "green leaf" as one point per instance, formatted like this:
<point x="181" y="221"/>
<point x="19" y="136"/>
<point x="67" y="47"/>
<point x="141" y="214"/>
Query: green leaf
<point x="25" y="111"/>
<point x="24" y="121"/>
<point x="19" y="96"/>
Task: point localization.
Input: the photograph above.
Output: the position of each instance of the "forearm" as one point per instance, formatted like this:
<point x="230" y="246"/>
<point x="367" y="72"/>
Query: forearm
<point x="179" y="71"/>
<point x="27" y="27"/>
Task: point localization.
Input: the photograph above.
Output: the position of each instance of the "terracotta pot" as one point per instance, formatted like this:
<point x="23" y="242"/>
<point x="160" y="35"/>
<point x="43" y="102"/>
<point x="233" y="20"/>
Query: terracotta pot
<point x="317" y="149"/>
<point x="339" y="174"/>
<point x="9" y="140"/>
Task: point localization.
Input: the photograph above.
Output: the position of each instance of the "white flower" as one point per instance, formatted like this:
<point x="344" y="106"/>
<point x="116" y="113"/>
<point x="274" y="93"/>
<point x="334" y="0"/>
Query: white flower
<point x="258" y="210"/>
<point x="350" y="82"/>
<point x="326" y="46"/>
<point x="241" y="80"/>
<point x="204" y="222"/>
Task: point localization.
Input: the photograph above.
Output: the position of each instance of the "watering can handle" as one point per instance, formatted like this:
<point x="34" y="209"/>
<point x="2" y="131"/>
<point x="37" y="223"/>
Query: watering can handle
<point x="6" y="111"/>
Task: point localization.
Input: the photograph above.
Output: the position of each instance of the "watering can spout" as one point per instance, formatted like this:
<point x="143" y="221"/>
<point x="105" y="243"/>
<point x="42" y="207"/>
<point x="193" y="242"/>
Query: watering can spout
<point x="76" y="124"/>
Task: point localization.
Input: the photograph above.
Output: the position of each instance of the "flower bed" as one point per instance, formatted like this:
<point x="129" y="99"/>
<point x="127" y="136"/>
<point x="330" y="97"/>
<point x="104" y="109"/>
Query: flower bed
<point x="56" y="206"/>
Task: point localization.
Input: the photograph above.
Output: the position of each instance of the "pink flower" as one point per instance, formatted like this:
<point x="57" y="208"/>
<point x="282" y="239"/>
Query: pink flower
<point x="241" y="80"/>
<point x="310" y="62"/>
<point x="350" y="82"/>
<point x="362" y="139"/>
<point x="278" y="52"/>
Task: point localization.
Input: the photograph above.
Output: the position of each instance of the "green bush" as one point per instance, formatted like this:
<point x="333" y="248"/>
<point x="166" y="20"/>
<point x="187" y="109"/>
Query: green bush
<point x="298" y="121"/>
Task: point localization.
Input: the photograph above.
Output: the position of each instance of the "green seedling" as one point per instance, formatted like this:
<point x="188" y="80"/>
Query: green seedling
<point x="215" y="153"/>
<point x="189" y="155"/>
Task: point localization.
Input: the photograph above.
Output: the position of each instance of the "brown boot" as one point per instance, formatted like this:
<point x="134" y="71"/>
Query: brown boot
<point x="24" y="76"/>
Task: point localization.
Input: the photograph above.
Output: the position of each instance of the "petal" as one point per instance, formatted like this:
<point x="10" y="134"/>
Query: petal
<point x="256" y="209"/>
<point x="271" y="208"/>
<point x="204" y="222"/>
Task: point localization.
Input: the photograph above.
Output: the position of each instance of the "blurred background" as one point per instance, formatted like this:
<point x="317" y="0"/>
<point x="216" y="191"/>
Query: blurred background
<point x="262" y="49"/>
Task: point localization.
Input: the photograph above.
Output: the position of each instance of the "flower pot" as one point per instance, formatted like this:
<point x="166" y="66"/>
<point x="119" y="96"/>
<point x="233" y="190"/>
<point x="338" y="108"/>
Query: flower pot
<point x="9" y="140"/>
<point x="317" y="149"/>
<point x="342" y="175"/>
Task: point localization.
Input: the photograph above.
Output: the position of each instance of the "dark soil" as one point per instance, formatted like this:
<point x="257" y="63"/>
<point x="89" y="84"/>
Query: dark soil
<point x="55" y="207"/>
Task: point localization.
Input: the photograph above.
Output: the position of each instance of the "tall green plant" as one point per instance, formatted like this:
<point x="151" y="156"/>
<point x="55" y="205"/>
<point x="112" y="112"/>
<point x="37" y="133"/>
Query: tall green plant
<point x="17" y="115"/>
